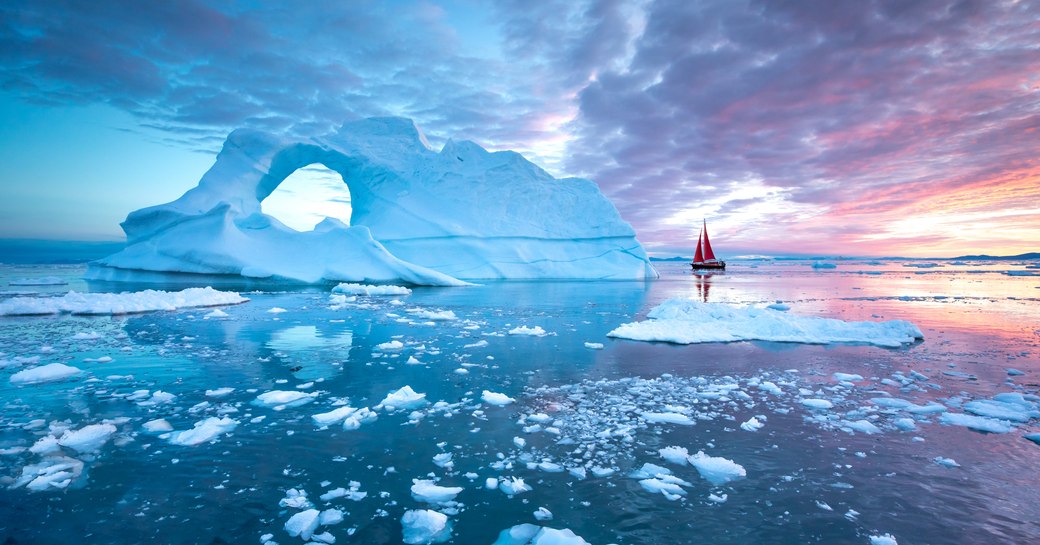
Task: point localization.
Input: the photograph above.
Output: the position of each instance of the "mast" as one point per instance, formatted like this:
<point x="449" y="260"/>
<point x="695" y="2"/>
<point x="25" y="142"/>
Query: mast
<point x="708" y="254"/>
<point x="697" y="257"/>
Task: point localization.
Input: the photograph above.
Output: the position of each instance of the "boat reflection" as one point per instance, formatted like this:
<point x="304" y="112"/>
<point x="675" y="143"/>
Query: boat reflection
<point x="703" y="282"/>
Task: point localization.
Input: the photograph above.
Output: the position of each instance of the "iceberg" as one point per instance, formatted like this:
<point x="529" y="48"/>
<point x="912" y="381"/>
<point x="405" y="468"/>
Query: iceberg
<point x="682" y="321"/>
<point x="419" y="217"/>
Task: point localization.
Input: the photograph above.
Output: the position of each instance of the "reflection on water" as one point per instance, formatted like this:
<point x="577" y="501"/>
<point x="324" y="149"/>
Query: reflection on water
<point x="139" y="487"/>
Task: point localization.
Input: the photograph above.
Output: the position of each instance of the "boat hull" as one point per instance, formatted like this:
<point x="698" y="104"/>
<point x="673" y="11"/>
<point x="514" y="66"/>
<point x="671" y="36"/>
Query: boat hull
<point x="716" y="266"/>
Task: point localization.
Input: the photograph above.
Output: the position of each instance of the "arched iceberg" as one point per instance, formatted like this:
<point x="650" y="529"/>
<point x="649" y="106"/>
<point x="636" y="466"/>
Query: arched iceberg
<point x="419" y="216"/>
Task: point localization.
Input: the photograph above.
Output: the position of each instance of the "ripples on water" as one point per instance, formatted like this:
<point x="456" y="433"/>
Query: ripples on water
<point x="977" y="322"/>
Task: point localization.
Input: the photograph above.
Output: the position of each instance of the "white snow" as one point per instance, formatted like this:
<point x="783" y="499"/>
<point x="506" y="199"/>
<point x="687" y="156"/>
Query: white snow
<point x="283" y="399"/>
<point x="683" y="321"/>
<point x="403" y="399"/>
<point x="426" y="490"/>
<point x="752" y="424"/>
<point x="594" y="346"/>
<point x="419" y="216"/>
<point x="422" y="526"/>
<point x="493" y="398"/>
<point x="390" y="346"/>
<point x="88" y="438"/>
<point x="45" y="373"/>
<point x="717" y="470"/>
<point x="675" y="455"/>
<point x="204" y="431"/>
<point x="119" y="303"/>
<point x="513" y="486"/>
<point x="368" y="289"/>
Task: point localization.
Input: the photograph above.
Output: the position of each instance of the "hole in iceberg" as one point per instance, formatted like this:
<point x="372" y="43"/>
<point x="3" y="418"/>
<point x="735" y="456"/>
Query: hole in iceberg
<point x="308" y="196"/>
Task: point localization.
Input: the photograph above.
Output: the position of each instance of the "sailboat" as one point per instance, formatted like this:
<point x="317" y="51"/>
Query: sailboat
<point x="705" y="260"/>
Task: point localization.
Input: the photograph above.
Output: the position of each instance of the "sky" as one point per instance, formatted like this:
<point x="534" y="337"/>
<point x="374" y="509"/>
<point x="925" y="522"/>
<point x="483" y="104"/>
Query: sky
<point x="847" y="127"/>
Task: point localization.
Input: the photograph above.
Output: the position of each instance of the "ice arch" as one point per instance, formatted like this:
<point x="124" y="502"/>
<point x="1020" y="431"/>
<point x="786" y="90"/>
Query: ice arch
<point x="307" y="196"/>
<point x="419" y="216"/>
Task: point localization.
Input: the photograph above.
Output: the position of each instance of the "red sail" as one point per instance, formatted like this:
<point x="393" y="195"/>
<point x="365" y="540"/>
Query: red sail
<point x="697" y="258"/>
<point x="708" y="254"/>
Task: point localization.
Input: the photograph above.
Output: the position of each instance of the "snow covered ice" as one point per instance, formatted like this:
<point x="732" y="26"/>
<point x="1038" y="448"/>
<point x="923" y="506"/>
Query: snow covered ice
<point x="119" y="303"/>
<point x="418" y="216"/>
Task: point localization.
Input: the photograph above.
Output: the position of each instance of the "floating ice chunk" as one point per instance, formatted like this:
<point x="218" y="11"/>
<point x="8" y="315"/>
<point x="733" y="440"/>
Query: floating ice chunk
<point x="45" y="373"/>
<point x="363" y="415"/>
<point x="276" y="310"/>
<point x="1014" y="372"/>
<point x="437" y="316"/>
<point x="671" y="491"/>
<point x="334" y="416"/>
<point x="88" y="438"/>
<point x="753" y="424"/>
<point x="479" y="344"/>
<point x="216" y="313"/>
<point x="883" y="539"/>
<point x="119" y="303"/>
<point x="667" y="418"/>
<point x="390" y="346"/>
<point x="1006" y="406"/>
<point x="86" y="336"/>
<point x="204" y="431"/>
<point x="513" y="486"/>
<point x="444" y="460"/>
<point x="370" y="290"/>
<point x="822" y="404"/>
<point x="594" y="346"/>
<point x="947" y="462"/>
<point x="683" y="321"/>
<point x="717" y="470"/>
<point x="846" y="377"/>
<point x="535" y="331"/>
<point x="1034" y="437"/>
<point x="423" y="526"/>
<point x="779" y="306"/>
<point x="219" y="392"/>
<point x="675" y="455"/>
<point x="646" y="472"/>
<point x="977" y="423"/>
<point x="531" y="534"/>
<point x="543" y="514"/>
<point x="862" y="426"/>
<point x="403" y="399"/>
<point x="491" y="483"/>
<point x="824" y="505"/>
<point x="905" y="424"/>
<point x="52" y="473"/>
<point x="159" y="425"/>
<point x="427" y="491"/>
<point x="412" y="360"/>
<point x="493" y="398"/>
<point x="823" y="265"/>
<point x="767" y="386"/>
<point x="283" y="399"/>
<point x="303" y="524"/>
<point x="295" y="499"/>
<point x="330" y="517"/>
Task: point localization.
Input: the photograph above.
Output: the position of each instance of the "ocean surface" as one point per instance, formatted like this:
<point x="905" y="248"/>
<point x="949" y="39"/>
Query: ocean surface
<point x="577" y="433"/>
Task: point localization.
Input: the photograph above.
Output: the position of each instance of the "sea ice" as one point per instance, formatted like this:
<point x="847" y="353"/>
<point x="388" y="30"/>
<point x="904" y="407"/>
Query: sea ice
<point x="403" y="399"/>
<point x="158" y="425"/>
<point x="675" y="455"/>
<point x="817" y="403"/>
<point x="419" y="216"/>
<point x="55" y="472"/>
<point x="667" y="418"/>
<point x="303" y="524"/>
<point x="119" y="303"/>
<point x="423" y="526"/>
<point x="493" y="398"/>
<point x="683" y="321"/>
<point x="88" y="438"/>
<point x="531" y="534"/>
<point x="204" y="431"/>
<point x="717" y="470"/>
<point x="426" y="490"/>
<point x="367" y="289"/>
<point x="45" y="373"/>
<point x="977" y="423"/>
<point x="283" y="399"/>
<point x="535" y="331"/>
<point x="947" y="462"/>
<point x="883" y="539"/>
<point x="753" y="424"/>
<point x="513" y="486"/>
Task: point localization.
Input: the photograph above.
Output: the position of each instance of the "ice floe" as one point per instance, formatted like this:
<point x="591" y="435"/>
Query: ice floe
<point x="531" y="534"/>
<point x="402" y="399"/>
<point x="204" y="431"/>
<point x="717" y="470"/>
<point x="494" y="398"/>
<point x="369" y="289"/>
<point x="45" y="373"/>
<point x="428" y="491"/>
<point x="283" y="399"/>
<point x="683" y="321"/>
<point x="119" y="303"/>
<point x="424" y="526"/>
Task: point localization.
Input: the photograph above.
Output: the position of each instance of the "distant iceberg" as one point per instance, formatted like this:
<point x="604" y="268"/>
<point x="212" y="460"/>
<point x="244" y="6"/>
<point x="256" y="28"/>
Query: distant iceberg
<point x="419" y="217"/>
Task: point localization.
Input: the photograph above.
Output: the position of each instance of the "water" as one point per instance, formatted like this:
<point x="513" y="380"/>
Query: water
<point x="978" y="323"/>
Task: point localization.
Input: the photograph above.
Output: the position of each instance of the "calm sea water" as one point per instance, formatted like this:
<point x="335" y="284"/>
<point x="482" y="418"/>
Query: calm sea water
<point x="807" y="478"/>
